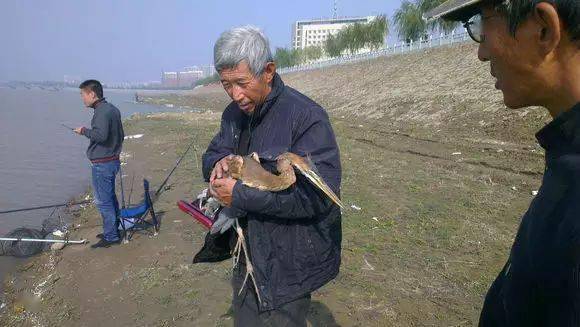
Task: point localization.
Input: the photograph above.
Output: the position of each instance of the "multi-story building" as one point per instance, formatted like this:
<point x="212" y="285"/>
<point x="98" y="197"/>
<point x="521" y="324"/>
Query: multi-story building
<point x="307" y="33"/>
<point x="169" y="79"/>
<point x="188" y="78"/>
<point x="207" y="70"/>
<point x="69" y="79"/>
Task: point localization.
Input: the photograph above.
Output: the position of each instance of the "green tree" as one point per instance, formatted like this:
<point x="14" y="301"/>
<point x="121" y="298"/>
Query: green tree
<point x="358" y="36"/>
<point x="333" y="46"/>
<point x="409" y="21"/>
<point x="283" y="58"/>
<point x="288" y="57"/>
<point x="349" y="37"/>
<point x="377" y="32"/>
<point x="312" y="53"/>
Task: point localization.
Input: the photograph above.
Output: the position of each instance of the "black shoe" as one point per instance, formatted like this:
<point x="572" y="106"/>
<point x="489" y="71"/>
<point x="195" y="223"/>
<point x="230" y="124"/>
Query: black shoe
<point x="100" y="235"/>
<point x="104" y="244"/>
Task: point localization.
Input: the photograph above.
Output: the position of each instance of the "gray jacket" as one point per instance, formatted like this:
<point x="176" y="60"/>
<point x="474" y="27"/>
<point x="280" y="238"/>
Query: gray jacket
<point x="106" y="132"/>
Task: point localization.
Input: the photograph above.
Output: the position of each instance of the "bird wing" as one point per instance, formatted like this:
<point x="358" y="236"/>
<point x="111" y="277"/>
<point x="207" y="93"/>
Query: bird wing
<point x="308" y="169"/>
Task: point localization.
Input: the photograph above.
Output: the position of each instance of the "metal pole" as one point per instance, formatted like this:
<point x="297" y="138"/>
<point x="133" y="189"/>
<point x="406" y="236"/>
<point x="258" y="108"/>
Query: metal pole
<point x="122" y="188"/>
<point x="131" y="191"/>
<point x="41" y="240"/>
<point x="46" y="207"/>
<point x="175" y="167"/>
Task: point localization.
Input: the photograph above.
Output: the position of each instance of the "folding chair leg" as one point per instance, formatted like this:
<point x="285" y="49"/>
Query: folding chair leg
<point x="155" y="221"/>
<point x="129" y="234"/>
<point x="125" y="240"/>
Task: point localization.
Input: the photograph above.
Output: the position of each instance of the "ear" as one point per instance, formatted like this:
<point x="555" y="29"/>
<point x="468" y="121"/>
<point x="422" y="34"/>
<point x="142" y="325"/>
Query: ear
<point x="549" y="27"/>
<point x="269" y="72"/>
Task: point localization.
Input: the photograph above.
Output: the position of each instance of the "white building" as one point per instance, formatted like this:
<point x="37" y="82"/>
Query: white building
<point x="206" y="70"/>
<point x="72" y="79"/>
<point x="307" y="33"/>
<point x="170" y="79"/>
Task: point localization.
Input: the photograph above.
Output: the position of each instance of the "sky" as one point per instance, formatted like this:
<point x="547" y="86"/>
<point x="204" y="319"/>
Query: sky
<point x="131" y="41"/>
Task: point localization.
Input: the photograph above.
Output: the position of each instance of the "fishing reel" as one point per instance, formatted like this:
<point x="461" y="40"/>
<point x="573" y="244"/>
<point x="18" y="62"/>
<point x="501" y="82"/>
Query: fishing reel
<point x="205" y="209"/>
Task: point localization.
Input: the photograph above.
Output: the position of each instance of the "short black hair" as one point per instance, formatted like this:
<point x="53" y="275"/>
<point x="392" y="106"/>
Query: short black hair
<point x="93" y="85"/>
<point x="518" y="10"/>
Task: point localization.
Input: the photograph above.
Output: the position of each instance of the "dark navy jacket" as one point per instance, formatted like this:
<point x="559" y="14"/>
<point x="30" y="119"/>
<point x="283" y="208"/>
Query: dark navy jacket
<point x="294" y="236"/>
<point x="540" y="283"/>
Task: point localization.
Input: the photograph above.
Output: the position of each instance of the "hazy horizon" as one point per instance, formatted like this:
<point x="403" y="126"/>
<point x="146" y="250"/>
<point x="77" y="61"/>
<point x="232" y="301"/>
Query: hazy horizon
<point x="122" y="41"/>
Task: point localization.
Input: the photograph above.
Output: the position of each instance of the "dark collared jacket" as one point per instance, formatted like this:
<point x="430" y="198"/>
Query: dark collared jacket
<point x="294" y="236"/>
<point x="540" y="283"/>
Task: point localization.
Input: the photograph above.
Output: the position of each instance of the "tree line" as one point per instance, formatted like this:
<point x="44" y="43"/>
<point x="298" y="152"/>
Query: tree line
<point x="407" y="19"/>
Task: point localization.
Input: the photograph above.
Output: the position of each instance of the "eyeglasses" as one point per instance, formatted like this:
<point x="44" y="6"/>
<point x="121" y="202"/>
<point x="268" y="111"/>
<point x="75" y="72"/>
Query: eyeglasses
<point x="474" y="25"/>
<point x="474" y="28"/>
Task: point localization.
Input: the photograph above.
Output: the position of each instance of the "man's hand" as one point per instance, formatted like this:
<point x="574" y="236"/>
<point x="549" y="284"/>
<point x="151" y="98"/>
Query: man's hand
<point x="222" y="190"/>
<point x="79" y="130"/>
<point x="220" y="169"/>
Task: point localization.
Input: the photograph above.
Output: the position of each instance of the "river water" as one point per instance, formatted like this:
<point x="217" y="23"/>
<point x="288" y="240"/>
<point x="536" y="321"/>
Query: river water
<point x="41" y="162"/>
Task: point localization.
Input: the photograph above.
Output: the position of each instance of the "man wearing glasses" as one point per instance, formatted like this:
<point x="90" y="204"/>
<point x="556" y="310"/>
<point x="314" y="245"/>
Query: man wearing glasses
<point x="533" y="48"/>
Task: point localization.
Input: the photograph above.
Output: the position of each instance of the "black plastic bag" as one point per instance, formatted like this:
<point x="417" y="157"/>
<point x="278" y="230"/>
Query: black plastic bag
<point x="217" y="247"/>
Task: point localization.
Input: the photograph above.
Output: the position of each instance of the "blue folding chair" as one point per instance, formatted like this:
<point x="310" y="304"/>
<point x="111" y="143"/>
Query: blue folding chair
<point x="132" y="219"/>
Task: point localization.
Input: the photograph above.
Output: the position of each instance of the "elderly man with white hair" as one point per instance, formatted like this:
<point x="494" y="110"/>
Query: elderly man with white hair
<point x="293" y="236"/>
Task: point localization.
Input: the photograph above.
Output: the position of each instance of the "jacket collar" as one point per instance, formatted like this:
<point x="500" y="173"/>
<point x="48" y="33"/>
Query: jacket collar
<point x="98" y="103"/>
<point x="563" y="133"/>
<point x="277" y="89"/>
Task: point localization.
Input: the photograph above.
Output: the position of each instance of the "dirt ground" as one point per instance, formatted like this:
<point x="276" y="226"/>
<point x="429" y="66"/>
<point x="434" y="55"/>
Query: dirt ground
<point x="436" y="175"/>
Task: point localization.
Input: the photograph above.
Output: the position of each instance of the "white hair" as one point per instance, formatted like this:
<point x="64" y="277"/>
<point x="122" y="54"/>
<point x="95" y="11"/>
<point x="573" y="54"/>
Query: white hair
<point x="246" y="43"/>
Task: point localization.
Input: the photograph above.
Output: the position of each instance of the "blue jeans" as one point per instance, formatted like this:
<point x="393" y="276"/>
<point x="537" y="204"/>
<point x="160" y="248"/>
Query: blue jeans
<point x="105" y="198"/>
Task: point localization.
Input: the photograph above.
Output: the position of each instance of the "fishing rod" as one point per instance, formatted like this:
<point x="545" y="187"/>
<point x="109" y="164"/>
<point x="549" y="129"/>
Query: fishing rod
<point x="131" y="191"/>
<point x="68" y="127"/>
<point x="89" y="201"/>
<point x="46" y="207"/>
<point x="175" y="167"/>
<point x="11" y="239"/>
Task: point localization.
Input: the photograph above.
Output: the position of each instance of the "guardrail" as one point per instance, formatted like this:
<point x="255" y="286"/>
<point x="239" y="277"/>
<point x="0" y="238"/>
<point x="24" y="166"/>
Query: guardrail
<point x="403" y="47"/>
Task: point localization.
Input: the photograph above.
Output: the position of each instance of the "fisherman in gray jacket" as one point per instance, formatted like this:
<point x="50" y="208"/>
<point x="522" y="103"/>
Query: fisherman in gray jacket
<point x="106" y="139"/>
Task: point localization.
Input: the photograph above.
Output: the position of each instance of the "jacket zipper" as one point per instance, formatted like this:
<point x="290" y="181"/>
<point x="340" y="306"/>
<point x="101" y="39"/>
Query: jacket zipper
<point x="250" y="131"/>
